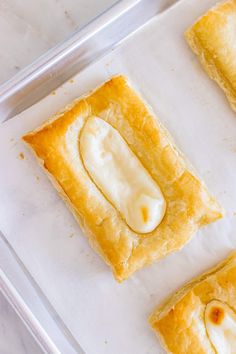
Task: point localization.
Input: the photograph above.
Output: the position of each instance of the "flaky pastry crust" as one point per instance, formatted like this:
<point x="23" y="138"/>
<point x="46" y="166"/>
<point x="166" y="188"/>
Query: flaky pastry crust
<point x="213" y="39"/>
<point x="189" y="205"/>
<point x="179" y="321"/>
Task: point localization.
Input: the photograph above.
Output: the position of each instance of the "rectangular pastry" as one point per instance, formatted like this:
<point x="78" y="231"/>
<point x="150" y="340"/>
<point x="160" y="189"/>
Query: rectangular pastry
<point x="213" y="39"/>
<point x="201" y="317"/>
<point x="128" y="186"/>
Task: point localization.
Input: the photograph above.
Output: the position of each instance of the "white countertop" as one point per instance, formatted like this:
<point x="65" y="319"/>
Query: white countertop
<point x="28" y="29"/>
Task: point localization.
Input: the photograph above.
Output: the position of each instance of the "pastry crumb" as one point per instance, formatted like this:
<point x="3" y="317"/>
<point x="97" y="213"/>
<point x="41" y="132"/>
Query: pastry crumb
<point x="21" y="156"/>
<point x="72" y="81"/>
<point x="108" y="63"/>
<point x="37" y="177"/>
<point x="53" y="93"/>
<point x="71" y="235"/>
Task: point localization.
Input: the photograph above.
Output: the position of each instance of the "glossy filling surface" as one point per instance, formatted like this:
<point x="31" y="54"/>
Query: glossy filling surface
<point x="120" y="176"/>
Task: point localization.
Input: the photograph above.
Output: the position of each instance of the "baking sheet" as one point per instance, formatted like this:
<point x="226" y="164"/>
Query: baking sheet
<point x="106" y="317"/>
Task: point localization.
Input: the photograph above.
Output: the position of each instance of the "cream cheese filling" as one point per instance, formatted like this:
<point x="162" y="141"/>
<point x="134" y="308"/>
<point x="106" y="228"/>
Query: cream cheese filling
<point x="120" y="176"/>
<point x="220" y="322"/>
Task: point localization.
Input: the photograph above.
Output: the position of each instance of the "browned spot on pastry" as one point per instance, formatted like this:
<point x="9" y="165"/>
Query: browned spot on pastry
<point x="144" y="212"/>
<point x="217" y="315"/>
<point x="21" y="156"/>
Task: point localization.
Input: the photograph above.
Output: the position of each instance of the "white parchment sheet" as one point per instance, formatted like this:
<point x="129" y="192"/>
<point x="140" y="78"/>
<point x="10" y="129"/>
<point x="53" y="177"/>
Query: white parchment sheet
<point x="106" y="317"/>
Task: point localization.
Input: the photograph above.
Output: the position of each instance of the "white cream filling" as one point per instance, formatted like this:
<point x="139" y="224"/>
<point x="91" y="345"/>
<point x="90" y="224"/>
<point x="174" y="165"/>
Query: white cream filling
<point x="120" y="176"/>
<point x="220" y="322"/>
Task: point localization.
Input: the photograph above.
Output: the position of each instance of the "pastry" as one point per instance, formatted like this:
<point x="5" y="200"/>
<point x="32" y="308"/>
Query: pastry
<point x="128" y="186"/>
<point x="213" y="39"/>
<point x="201" y="317"/>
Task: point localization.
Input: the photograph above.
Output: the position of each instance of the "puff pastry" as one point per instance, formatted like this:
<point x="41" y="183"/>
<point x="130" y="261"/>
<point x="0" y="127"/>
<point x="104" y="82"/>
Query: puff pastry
<point x="213" y="39"/>
<point x="178" y="201"/>
<point x="201" y="317"/>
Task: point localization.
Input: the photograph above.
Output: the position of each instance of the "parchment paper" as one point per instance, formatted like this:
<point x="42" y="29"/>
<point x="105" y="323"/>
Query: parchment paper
<point x="106" y="317"/>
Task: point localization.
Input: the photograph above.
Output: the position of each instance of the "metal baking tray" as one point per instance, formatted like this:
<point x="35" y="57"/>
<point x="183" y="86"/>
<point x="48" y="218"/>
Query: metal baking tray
<point x="85" y="46"/>
<point x="36" y="81"/>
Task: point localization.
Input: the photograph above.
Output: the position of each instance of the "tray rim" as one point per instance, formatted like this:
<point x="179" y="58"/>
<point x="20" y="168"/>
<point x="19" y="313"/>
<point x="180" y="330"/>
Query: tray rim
<point x="15" y="282"/>
<point x="47" y="73"/>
